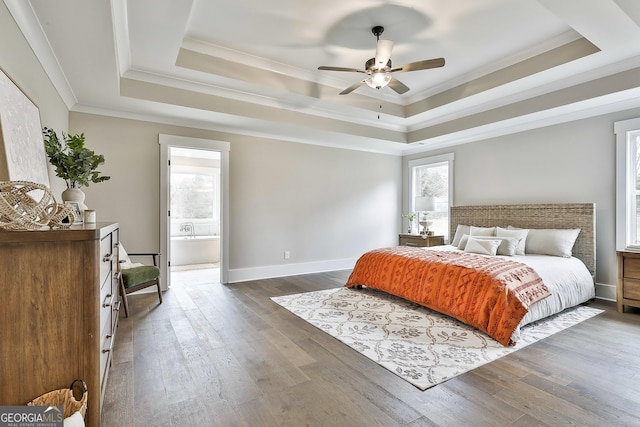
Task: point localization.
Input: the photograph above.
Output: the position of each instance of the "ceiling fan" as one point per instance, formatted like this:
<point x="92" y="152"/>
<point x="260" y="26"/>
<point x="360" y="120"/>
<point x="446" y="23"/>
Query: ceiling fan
<point x="379" y="69"/>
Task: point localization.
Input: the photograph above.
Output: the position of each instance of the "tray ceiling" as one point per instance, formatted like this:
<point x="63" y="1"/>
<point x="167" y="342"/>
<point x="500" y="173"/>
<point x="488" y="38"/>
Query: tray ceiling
<point x="251" y="66"/>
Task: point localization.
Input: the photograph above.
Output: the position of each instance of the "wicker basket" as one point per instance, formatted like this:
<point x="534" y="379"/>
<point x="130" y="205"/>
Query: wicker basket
<point x="64" y="397"/>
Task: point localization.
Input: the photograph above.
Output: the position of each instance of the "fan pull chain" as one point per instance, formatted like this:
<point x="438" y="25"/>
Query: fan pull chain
<point x="379" y="113"/>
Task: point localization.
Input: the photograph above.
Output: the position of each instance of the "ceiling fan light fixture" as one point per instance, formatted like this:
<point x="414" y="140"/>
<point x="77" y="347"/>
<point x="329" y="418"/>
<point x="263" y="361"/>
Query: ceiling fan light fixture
<point x="378" y="80"/>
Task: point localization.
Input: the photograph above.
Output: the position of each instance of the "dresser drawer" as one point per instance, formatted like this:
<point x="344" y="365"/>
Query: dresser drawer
<point x="632" y="268"/>
<point x="107" y="300"/>
<point x="106" y="258"/>
<point x="106" y="347"/>
<point x="628" y="290"/>
<point x="631" y="289"/>
<point x="413" y="240"/>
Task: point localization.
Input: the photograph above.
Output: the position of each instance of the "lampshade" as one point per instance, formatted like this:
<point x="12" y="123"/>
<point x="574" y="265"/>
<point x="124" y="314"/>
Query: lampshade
<point x="378" y="80"/>
<point x="424" y="203"/>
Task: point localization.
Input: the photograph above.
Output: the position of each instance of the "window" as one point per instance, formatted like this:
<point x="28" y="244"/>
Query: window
<point x="194" y="192"/>
<point x="627" y="184"/>
<point x="432" y="177"/>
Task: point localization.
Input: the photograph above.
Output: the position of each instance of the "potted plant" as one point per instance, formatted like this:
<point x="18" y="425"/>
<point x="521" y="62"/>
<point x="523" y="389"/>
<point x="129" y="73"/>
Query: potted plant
<point x="73" y="162"/>
<point x="409" y="217"/>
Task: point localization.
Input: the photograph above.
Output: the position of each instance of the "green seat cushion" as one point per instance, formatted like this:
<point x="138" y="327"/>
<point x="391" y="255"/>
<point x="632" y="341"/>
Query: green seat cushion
<point x="137" y="275"/>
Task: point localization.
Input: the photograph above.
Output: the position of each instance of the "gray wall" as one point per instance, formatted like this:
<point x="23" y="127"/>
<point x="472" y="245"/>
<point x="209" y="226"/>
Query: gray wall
<point x="571" y="162"/>
<point x="321" y="204"/>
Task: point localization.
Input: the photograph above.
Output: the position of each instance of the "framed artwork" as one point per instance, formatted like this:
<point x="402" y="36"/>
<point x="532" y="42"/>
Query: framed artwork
<point x="77" y="212"/>
<point x="22" y="154"/>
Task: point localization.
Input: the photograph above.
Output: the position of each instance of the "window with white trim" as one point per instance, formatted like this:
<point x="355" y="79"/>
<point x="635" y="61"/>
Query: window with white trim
<point x="431" y="185"/>
<point x="628" y="184"/>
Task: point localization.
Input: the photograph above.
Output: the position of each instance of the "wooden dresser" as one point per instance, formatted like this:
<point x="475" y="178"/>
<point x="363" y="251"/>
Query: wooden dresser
<point x="419" y="240"/>
<point x="59" y="307"/>
<point x="628" y="279"/>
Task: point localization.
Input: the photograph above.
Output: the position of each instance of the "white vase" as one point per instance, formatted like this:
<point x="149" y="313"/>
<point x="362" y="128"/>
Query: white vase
<point x="74" y="195"/>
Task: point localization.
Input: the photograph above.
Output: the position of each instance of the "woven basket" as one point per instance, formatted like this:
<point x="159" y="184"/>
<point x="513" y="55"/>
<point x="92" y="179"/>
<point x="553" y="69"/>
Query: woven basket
<point x="64" y="397"/>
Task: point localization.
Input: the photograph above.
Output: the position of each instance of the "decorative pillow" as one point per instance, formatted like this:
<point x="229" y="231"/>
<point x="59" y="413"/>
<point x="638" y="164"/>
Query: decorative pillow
<point x="460" y="231"/>
<point x="463" y="242"/>
<point x="508" y="245"/>
<point x="520" y="234"/>
<point x="551" y="241"/>
<point x="482" y="246"/>
<point x="482" y="231"/>
<point x="125" y="261"/>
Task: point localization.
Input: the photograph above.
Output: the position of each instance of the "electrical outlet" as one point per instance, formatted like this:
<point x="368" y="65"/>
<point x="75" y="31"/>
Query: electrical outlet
<point x="287" y="254"/>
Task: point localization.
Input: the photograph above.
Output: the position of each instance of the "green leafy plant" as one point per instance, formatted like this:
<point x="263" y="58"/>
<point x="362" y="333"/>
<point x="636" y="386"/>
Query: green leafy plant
<point x="73" y="162"/>
<point x="410" y="216"/>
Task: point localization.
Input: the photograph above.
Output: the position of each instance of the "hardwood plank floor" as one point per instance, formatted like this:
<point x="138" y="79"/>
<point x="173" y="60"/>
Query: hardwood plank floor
<point x="216" y="355"/>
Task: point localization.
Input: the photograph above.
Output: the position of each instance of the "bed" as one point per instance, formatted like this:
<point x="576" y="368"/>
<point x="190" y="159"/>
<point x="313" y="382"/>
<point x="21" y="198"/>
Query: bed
<point x="497" y="294"/>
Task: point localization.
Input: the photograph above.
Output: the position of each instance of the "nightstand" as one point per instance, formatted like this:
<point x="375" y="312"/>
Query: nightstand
<point x="418" y="240"/>
<point x="628" y="280"/>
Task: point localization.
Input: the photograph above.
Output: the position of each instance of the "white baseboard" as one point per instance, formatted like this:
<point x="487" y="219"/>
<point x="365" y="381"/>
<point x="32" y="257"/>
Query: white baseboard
<point x="267" y="272"/>
<point x="606" y="292"/>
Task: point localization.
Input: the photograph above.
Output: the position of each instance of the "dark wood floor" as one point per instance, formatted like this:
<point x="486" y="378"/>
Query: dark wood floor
<point x="228" y="356"/>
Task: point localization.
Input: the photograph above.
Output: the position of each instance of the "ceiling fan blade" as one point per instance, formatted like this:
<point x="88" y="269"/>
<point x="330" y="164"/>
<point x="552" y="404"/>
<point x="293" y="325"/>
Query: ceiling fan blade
<point x="352" y="70"/>
<point x="383" y="53"/>
<point x="352" y="88"/>
<point x="398" y="86"/>
<point x="420" y="65"/>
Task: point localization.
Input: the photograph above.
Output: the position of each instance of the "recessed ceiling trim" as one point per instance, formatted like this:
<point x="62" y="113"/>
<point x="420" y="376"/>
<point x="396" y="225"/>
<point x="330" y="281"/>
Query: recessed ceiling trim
<point x="26" y="19"/>
<point x="550" y="59"/>
<point x="594" y="89"/>
<point x="175" y="96"/>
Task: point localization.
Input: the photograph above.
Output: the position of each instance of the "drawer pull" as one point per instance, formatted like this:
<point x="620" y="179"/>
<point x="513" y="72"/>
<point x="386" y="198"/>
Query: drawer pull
<point x="105" y="303"/>
<point x="410" y="244"/>
<point x="116" y="306"/>
<point x="107" y="258"/>
<point x="107" y="350"/>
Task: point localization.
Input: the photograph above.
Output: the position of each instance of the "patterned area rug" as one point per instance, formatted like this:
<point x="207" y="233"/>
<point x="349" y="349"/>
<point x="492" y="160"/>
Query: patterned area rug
<point x="417" y="344"/>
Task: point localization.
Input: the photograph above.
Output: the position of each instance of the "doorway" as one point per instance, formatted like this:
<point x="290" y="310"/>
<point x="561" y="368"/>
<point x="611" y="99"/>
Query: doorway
<point x="193" y="210"/>
<point x="194" y="220"/>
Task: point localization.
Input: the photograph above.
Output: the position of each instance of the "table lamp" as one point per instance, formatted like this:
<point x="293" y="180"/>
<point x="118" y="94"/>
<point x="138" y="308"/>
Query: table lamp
<point x="424" y="204"/>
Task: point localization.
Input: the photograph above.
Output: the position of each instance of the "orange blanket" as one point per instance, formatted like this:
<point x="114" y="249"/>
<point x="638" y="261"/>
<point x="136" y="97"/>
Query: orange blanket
<point x="489" y="293"/>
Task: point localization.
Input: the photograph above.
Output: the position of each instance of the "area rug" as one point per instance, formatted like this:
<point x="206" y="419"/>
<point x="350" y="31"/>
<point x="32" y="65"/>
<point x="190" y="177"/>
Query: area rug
<point x="419" y="345"/>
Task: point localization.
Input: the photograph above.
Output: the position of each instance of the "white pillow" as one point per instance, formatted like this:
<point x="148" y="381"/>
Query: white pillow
<point x="463" y="242"/>
<point x="550" y="241"/>
<point x="75" y="420"/>
<point x="520" y="234"/>
<point x="125" y="261"/>
<point x="555" y="242"/>
<point x="482" y="231"/>
<point x="460" y="231"/>
<point x="482" y="246"/>
<point x="508" y="245"/>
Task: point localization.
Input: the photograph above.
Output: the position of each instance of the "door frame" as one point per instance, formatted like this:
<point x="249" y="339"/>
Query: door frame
<point x="223" y="147"/>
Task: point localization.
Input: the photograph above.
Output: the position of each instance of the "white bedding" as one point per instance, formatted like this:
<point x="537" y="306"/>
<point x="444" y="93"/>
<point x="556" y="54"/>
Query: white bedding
<point x="568" y="279"/>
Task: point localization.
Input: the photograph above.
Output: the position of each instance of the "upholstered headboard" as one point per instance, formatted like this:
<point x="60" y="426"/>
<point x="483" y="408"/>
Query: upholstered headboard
<point x="557" y="215"/>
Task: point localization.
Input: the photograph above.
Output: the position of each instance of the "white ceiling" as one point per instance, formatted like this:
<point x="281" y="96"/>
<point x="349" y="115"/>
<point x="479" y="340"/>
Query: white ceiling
<point x="250" y="66"/>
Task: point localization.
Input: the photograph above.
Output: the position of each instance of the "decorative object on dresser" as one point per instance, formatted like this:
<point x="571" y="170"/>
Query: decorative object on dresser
<point x="59" y="316"/>
<point x="424" y="205"/>
<point x="628" y="292"/>
<point x="74" y="163"/>
<point x="420" y="240"/>
<point x="20" y="210"/>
